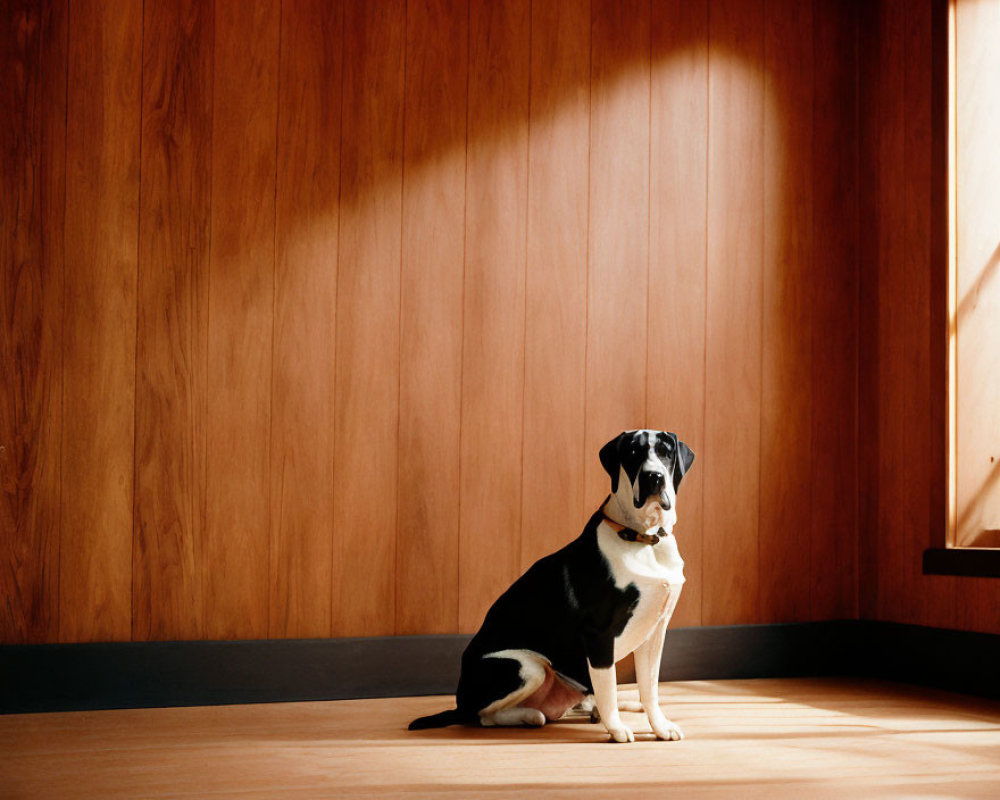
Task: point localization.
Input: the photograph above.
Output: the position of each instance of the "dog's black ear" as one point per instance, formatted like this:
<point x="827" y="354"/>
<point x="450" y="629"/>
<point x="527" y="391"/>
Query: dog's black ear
<point x="685" y="458"/>
<point x="611" y="459"/>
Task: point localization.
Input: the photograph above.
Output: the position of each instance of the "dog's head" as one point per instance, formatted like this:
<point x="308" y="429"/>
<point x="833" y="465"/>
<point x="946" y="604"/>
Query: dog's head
<point x="646" y="467"/>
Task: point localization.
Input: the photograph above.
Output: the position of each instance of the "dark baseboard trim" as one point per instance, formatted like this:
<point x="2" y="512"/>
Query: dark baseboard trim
<point x="74" y="677"/>
<point x="959" y="661"/>
<point x="782" y="650"/>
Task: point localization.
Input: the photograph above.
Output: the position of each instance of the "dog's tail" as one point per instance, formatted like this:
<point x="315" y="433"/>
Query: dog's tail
<point x="441" y="720"/>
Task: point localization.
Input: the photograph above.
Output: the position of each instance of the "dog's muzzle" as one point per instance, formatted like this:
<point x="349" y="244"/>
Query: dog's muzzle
<point x="651" y="484"/>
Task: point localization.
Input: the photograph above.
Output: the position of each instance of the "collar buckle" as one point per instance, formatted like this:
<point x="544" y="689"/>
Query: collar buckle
<point x="629" y="535"/>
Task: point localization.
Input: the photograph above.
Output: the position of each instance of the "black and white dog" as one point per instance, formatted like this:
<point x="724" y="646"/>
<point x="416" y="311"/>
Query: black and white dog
<point x="550" y="642"/>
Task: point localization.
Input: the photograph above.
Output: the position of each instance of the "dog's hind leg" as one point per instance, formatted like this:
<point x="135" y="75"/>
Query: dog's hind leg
<point x="512" y="717"/>
<point x="585" y="708"/>
<point x="503" y="680"/>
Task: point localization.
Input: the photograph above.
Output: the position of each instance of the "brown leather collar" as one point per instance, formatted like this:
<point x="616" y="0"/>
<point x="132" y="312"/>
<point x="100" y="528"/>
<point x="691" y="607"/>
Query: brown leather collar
<point x="630" y="535"/>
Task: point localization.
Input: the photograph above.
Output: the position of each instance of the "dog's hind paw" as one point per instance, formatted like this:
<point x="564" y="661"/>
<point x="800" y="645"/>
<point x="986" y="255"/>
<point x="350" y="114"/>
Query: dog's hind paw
<point x="512" y="717"/>
<point x="533" y="717"/>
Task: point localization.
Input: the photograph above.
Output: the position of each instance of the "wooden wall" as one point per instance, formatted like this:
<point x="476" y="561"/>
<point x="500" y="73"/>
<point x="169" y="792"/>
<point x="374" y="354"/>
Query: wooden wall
<point x="903" y="378"/>
<point x="315" y="315"/>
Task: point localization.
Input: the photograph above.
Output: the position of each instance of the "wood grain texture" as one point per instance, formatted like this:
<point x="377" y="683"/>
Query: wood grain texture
<point x="32" y="199"/>
<point x="99" y="323"/>
<point x="903" y="379"/>
<point x="305" y="286"/>
<point x="553" y="502"/>
<point x="675" y="363"/>
<point x="933" y="600"/>
<point x="241" y="305"/>
<point x="611" y="213"/>
<point x="368" y="313"/>
<point x="735" y="232"/>
<point x="430" y="404"/>
<point x="45" y="510"/>
<point x="19" y="37"/>
<point x="869" y="319"/>
<point x="942" y="612"/>
<point x="618" y="236"/>
<point x="493" y="328"/>
<point x="782" y="739"/>
<point x="834" y="304"/>
<point x="891" y="342"/>
<point x="786" y="339"/>
<point x="917" y="154"/>
<point x="172" y="341"/>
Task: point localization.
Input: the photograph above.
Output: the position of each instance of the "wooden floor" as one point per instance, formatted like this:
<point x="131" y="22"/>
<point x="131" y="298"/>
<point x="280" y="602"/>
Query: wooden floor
<point x="763" y="738"/>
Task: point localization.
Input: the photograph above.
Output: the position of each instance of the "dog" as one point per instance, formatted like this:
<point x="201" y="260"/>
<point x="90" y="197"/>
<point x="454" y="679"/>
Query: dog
<point x="550" y="642"/>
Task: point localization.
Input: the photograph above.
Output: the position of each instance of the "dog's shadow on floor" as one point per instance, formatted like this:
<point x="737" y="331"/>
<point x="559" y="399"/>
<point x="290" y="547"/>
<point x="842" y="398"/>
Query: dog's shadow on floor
<point x="568" y="730"/>
<point x="393" y="733"/>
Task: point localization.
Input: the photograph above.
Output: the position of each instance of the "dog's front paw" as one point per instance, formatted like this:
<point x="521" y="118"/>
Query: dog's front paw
<point x="666" y="730"/>
<point x="621" y="732"/>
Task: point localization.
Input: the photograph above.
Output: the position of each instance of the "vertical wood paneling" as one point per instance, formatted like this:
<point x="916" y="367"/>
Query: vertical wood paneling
<point x="20" y="256"/>
<point x="174" y="242"/>
<point x="99" y="333"/>
<point x="834" y="291"/>
<point x="903" y="375"/>
<point x="241" y="305"/>
<point x="618" y="236"/>
<point x="552" y="497"/>
<point x="368" y="310"/>
<point x="382" y="324"/>
<point x="305" y="285"/>
<point x="786" y="387"/>
<point x="45" y="514"/>
<point x="437" y="37"/>
<point x="32" y="197"/>
<point x="869" y="321"/>
<point x="20" y="32"/>
<point x="493" y="329"/>
<point x="891" y="343"/>
<point x="733" y="337"/>
<point x="675" y="365"/>
<point x="915" y="389"/>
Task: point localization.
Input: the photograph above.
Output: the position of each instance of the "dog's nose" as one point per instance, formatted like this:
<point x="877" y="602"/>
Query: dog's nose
<point x="653" y="482"/>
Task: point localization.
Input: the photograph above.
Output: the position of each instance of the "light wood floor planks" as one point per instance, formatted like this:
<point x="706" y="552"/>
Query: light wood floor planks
<point x="764" y="738"/>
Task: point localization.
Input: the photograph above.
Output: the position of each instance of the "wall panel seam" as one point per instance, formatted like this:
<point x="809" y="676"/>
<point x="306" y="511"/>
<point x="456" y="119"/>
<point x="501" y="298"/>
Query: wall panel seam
<point x="399" y="320"/>
<point x="274" y="305"/>
<point x="138" y="294"/>
<point x="336" y="301"/>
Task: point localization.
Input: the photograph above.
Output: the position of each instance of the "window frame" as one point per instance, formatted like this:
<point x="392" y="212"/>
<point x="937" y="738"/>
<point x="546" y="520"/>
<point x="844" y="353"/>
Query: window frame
<point x="944" y="557"/>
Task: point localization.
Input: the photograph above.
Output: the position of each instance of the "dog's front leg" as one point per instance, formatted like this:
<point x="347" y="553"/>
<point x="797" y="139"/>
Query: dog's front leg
<point x="605" y="682"/>
<point x="647" y="674"/>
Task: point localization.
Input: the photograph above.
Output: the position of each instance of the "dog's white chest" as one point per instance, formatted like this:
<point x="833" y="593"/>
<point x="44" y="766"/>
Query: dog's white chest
<point x="655" y="602"/>
<point x="657" y="572"/>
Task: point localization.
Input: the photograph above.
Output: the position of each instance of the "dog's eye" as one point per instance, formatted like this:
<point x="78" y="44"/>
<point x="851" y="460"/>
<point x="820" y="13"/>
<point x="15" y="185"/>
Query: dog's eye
<point x="661" y="450"/>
